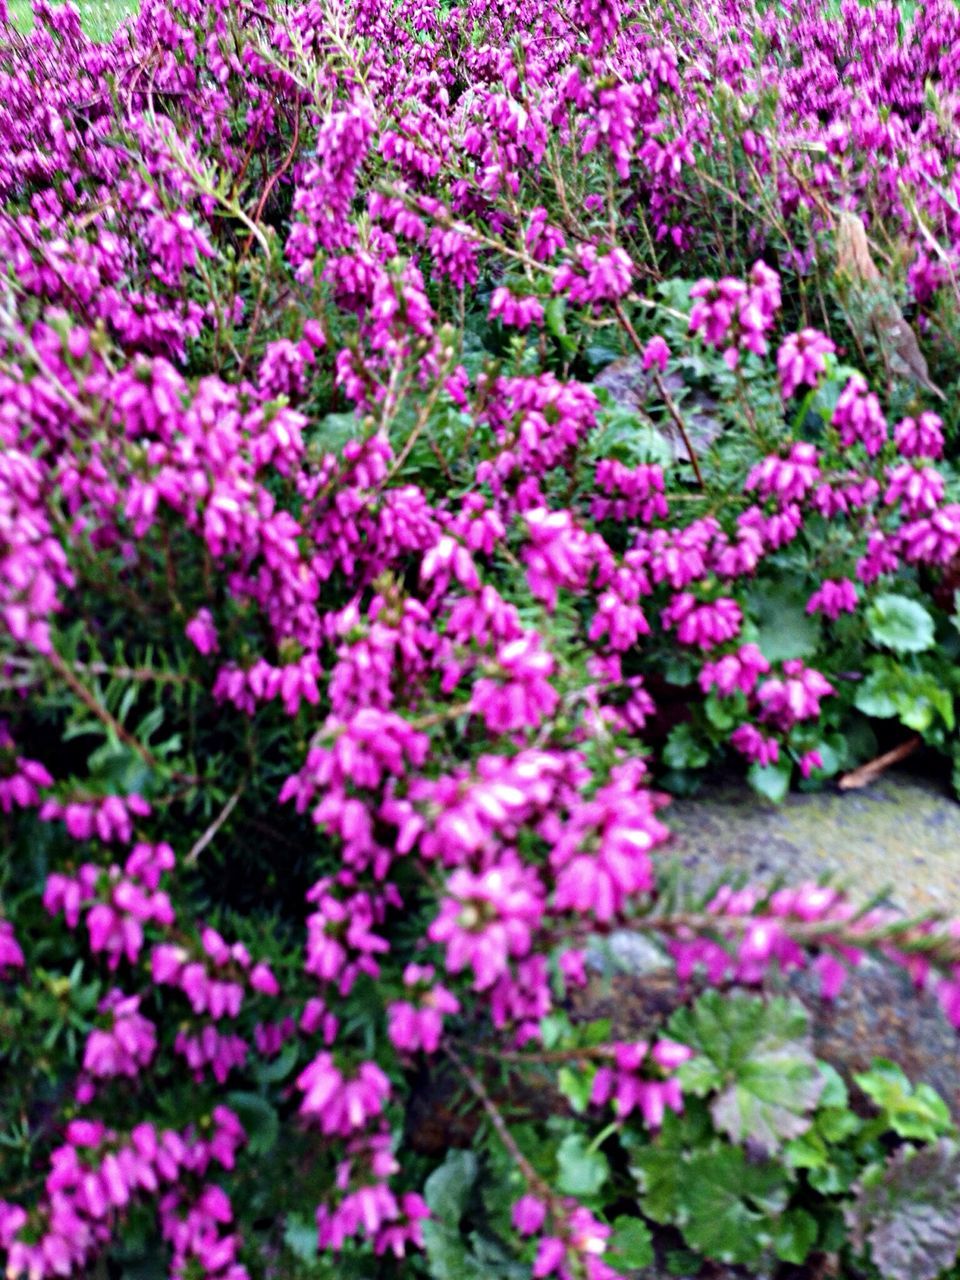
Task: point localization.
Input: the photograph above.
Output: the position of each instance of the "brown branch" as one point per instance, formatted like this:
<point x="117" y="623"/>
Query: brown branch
<point x="869" y="772"/>
<point x="499" y="1124"/>
<point x="100" y="711"/>
<point x="275" y="178"/>
<point x="665" y="395"/>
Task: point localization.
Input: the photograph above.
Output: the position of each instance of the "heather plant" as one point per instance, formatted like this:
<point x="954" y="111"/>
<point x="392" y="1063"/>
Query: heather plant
<point x="431" y="434"/>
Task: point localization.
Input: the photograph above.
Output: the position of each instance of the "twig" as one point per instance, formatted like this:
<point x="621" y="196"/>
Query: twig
<point x="869" y="772"/>
<point x="665" y="395"/>
<point x="275" y="178"/>
<point x="214" y="827"/>
<point x="500" y="1125"/>
<point x="100" y="711"/>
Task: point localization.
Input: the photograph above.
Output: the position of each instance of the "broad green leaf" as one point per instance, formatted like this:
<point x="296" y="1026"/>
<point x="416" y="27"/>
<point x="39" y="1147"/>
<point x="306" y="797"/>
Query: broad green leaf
<point x="772" y="781"/>
<point x="332" y="432"/>
<point x="755" y="1056"/>
<point x="300" y="1236"/>
<point x="874" y="697"/>
<point x="795" y="1235"/>
<point x="581" y="1172"/>
<point x="631" y="1244"/>
<point x="576" y="1086"/>
<point x="657" y="1163"/>
<point x="727" y="1205"/>
<point x="684" y="750"/>
<point x="910" y="1112"/>
<point x="784" y="628"/>
<point x="448" y="1188"/>
<point x="907" y="1213"/>
<point x="448" y="1255"/>
<point x="278" y="1068"/>
<point x="896" y="622"/>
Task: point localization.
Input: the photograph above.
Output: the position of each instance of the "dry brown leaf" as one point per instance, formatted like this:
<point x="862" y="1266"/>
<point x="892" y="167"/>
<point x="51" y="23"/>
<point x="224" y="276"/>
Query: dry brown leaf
<point x="898" y="342"/>
<point x="853" y="250"/>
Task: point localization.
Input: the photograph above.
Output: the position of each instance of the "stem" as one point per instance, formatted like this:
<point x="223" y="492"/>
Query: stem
<point x="665" y="395"/>
<point x="214" y="827"/>
<point x="103" y="715"/>
<point x="870" y="771"/>
<point x="499" y="1124"/>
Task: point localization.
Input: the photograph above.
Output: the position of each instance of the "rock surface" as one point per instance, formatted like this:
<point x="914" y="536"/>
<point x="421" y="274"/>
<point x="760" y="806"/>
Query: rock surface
<point x="902" y="835"/>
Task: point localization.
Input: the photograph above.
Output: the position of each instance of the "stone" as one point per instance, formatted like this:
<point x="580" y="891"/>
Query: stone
<point x="902" y="835"/>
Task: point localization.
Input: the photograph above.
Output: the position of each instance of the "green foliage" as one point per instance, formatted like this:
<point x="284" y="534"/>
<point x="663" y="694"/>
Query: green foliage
<point x="727" y="1205"/>
<point x="455" y="1251"/>
<point x="907" y="1212"/>
<point x="581" y="1171"/>
<point x="753" y="1057"/>
<point x="896" y="622"/>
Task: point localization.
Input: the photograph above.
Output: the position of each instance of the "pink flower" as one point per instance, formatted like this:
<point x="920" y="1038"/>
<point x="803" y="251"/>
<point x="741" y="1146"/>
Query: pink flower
<point x="522" y="696"/>
<point x="858" y="417"/>
<point x="487" y="919"/>
<point x="796" y="696"/>
<point x="343" y="1105"/>
<point x="920" y="437"/>
<point x="656" y="354"/>
<point x="202" y="632"/>
<point x="834" y="598"/>
<point x="127" y="1046"/>
<point x="703" y="625"/>
<point x="515" y="311"/>
<point x="529" y="1214"/>
<point x="801" y="360"/>
<point x="11" y="956"/>
<point x="787" y="479"/>
<point x="750" y="742"/>
<point x="918" y="491"/>
<point x="734" y="671"/>
<point x="412" y="1027"/>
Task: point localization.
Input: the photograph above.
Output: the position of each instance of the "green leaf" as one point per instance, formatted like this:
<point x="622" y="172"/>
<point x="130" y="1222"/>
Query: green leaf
<point x="684" y="750"/>
<point x="896" y="622"/>
<point x="908" y="1212"/>
<point x="631" y="1244"/>
<point x="795" y="1235"/>
<point x="772" y="781"/>
<point x="448" y="1188"/>
<point x="300" y="1236"/>
<point x="784" y="628"/>
<point x="835" y="1092"/>
<point x="917" y="697"/>
<point x="910" y="1112"/>
<point x="755" y="1056"/>
<point x="576" y="1086"/>
<point x="258" y="1118"/>
<point x="554" y="1028"/>
<point x="332" y="432"/>
<point x="581" y="1172"/>
<point x="553" y="316"/>
<point x="448" y="1255"/>
<point x="280" y="1067"/>
<point x="684" y="1263"/>
<point x="658" y="1164"/>
<point x="726" y="1204"/>
<point x="874" y="697"/>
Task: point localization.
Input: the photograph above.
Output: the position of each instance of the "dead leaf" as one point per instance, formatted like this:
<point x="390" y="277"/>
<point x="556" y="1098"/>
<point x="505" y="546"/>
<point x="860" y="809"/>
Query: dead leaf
<point x="634" y="388"/>
<point x="898" y="342"/>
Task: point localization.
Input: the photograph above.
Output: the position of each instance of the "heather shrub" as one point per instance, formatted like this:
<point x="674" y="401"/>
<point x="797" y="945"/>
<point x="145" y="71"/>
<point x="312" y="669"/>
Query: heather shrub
<point x="431" y="434"/>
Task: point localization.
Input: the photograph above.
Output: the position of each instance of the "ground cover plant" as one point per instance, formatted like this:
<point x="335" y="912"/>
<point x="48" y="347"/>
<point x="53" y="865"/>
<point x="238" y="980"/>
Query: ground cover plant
<point x="432" y="434"/>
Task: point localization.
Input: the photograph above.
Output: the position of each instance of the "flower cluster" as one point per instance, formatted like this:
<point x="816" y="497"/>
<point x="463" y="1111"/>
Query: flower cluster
<point x="343" y="617"/>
